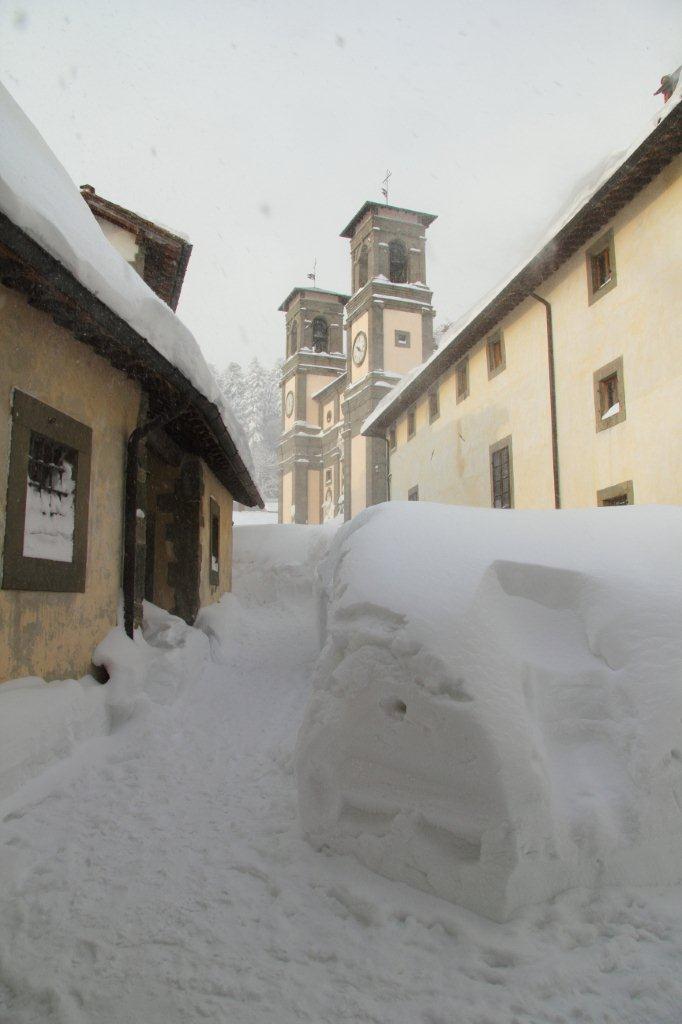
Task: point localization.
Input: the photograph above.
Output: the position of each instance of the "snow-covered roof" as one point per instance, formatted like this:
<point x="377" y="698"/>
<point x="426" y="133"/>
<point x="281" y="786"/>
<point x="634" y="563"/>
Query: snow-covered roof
<point x="38" y="196"/>
<point x="579" y="220"/>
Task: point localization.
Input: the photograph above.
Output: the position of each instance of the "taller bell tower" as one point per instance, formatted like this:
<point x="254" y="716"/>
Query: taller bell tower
<point x="389" y="324"/>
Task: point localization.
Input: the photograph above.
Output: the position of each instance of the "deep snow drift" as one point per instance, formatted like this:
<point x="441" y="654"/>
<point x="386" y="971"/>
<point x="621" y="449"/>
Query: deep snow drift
<point x="158" y="873"/>
<point x="497" y="709"/>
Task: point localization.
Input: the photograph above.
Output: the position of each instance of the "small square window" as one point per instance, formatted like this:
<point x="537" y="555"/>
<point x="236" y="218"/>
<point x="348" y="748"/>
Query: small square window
<point x="392" y="438"/>
<point x="501" y="478"/>
<point x="434" y="405"/>
<point x="402" y="339"/>
<point x="214" y="567"/>
<point x="619" y="494"/>
<point x="462" y="373"/>
<point x="496" y="354"/>
<point x="411" y="423"/>
<point x="601" y="267"/>
<point x="413" y="494"/>
<point x="46" y="528"/>
<point x="609" y="395"/>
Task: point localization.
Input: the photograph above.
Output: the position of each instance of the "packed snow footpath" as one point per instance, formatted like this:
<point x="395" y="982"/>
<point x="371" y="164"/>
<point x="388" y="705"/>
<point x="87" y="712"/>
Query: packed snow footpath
<point x="157" y="871"/>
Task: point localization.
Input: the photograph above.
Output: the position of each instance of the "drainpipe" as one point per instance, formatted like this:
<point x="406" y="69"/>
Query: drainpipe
<point x="552" y="398"/>
<point x="388" y="470"/>
<point x="130" y="513"/>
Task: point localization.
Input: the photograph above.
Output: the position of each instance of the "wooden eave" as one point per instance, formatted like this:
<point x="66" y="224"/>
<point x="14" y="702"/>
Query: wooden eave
<point x="640" y="168"/>
<point x="50" y="287"/>
<point x="166" y="254"/>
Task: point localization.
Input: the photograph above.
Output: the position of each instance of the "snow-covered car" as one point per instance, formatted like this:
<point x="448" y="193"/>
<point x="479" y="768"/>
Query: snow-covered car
<point x="497" y="708"/>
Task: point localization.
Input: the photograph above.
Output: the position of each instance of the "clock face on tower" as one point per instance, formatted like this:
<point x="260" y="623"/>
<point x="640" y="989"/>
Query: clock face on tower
<point x="289" y="403"/>
<point x="359" y="348"/>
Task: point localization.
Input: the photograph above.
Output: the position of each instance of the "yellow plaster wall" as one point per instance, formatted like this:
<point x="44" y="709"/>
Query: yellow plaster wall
<point x="449" y="459"/>
<point x="287" y="496"/>
<point x="399" y="359"/>
<point x="313" y="496"/>
<point x="214" y="489"/>
<point x="314" y="383"/>
<point x="53" y="634"/>
<point x="361" y="324"/>
<point x="358" y="474"/>
<point x="638" y="319"/>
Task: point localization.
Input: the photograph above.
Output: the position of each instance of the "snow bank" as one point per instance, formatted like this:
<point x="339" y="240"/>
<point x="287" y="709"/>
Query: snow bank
<point x="497" y="709"/>
<point x="278" y="560"/>
<point x="42" y="723"/>
<point x="37" y="195"/>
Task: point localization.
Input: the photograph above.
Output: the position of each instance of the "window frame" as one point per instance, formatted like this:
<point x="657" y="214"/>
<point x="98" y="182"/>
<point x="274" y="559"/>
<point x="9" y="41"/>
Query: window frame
<point x="505" y="442"/>
<point x="614" y="368"/>
<point x="19" y="571"/>
<point x="491" y="340"/>
<point x="413" y="493"/>
<point x="463" y="364"/>
<point x="393" y="245"/>
<point x="434" y="392"/>
<point x="392" y="439"/>
<point x="411" y="413"/>
<point x="213" y="516"/>
<point x="402" y="344"/>
<point x="604" y="242"/>
<point x="606" y="494"/>
<point x="363" y="266"/>
<point x="321" y="320"/>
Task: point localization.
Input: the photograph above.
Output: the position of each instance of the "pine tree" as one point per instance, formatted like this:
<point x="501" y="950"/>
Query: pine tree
<point x="253" y="394"/>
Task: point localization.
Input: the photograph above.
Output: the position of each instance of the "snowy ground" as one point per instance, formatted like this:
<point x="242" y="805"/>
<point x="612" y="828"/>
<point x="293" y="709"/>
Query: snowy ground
<point x="159" y="874"/>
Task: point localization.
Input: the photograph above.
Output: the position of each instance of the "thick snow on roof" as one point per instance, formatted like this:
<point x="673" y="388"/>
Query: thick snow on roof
<point x="583" y="193"/>
<point x="37" y="195"/>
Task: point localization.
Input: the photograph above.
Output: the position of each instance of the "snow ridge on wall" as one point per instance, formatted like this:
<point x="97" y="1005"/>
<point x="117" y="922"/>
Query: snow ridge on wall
<point x="496" y="710"/>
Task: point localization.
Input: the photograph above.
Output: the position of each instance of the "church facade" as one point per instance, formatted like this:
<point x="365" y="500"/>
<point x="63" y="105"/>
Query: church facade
<point x="343" y="354"/>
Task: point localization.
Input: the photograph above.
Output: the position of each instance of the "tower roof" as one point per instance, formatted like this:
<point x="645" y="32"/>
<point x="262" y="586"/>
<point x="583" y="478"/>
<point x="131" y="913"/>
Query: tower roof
<point x="369" y="205"/>
<point x="318" y="291"/>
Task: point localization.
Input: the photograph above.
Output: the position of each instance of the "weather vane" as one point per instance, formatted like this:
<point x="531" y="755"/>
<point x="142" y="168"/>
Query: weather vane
<point x="384" y="190"/>
<point x="312" y="277"/>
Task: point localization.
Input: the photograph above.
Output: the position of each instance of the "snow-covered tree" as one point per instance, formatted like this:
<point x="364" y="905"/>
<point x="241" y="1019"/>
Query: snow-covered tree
<point x="253" y="393"/>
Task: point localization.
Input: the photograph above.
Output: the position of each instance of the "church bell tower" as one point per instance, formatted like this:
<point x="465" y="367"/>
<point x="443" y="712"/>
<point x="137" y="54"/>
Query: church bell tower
<point x="315" y="361"/>
<point x="389" y="324"/>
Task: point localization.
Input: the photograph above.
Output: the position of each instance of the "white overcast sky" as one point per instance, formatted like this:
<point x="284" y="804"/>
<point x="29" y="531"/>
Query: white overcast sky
<point x="259" y="127"/>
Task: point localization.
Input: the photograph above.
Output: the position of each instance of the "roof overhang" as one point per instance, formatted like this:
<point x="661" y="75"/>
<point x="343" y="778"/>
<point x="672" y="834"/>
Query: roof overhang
<point x="317" y="292"/>
<point x="369" y="206"/>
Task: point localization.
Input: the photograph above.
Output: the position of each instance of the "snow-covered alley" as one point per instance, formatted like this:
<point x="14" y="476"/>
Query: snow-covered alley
<point x="160" y="875"/>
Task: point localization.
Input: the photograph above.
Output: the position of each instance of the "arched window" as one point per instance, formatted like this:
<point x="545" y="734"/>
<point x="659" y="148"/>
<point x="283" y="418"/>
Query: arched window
<point x="397" y="259"/>
<point x="362" y="267"/>
<point x="320" y="334"/>
<point x="293" y="338"/>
